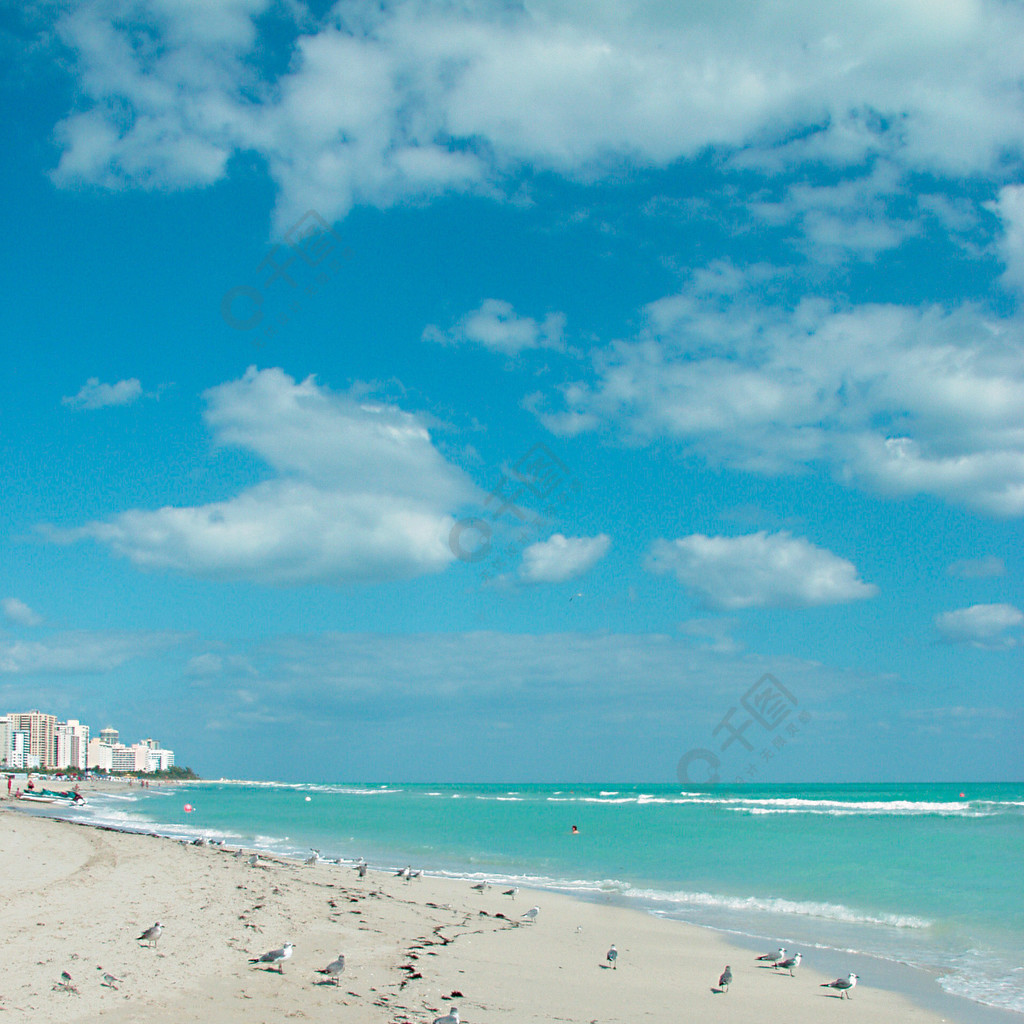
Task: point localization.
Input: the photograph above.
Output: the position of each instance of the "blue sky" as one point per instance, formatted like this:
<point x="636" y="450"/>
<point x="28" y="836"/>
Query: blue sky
<point x="430" y="391"/>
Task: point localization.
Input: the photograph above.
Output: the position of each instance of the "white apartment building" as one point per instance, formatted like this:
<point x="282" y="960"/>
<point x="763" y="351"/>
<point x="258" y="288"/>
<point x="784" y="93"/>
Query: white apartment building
<point x="100" y="755"/>
<point x="159" y="760"/>
<point x="71" y="745"/>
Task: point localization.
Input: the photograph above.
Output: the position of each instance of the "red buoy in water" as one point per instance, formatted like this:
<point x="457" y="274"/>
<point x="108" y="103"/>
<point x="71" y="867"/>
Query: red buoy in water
<point x="189" y="808"/>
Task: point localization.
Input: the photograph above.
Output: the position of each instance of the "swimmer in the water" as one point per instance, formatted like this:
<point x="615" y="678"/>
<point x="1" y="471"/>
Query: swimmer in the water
<point x="575" y="831"/>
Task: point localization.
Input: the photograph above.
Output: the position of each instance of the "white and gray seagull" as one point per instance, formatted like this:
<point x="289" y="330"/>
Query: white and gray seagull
<point x="790" y="963"/>
<point x="612" y="956"/>
<point x="773" y="957"/>
<point x="513" y="892"/>
<point x="451" y="1017"/>
<point x="275" y="956"/>
<point x="334" y="969"/>
<point x="531" y="914"/>
<point x="151" y="934"/>
<point x="842" y="984"/>
<point x="725" y="980"/>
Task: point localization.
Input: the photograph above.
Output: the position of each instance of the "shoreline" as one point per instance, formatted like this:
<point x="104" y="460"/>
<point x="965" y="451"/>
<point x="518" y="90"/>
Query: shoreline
<point x="667" y="961"/>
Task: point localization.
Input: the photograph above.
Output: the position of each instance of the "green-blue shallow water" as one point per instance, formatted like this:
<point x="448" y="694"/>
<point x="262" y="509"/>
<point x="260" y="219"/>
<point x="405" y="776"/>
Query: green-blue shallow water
<point x="916" y="873"/>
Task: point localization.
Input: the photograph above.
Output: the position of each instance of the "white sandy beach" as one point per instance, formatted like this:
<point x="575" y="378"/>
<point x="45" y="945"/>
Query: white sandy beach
<point x="74" y="898"/>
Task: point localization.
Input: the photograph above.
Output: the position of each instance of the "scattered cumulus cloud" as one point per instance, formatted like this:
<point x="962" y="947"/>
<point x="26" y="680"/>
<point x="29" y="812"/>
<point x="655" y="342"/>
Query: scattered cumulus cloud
<point x="897" y="399"/>
<point x="359" y="493"/>
<point x="561" y="558"/>
<point x="495" y="325"/>
<point x="19" y="613"/>
<point x="758" y="570"/>
<point x="95" y="395"/>
<point x="1009" y="207"/>
<point x="380" y="103"/>
<point x="989" y="626"/>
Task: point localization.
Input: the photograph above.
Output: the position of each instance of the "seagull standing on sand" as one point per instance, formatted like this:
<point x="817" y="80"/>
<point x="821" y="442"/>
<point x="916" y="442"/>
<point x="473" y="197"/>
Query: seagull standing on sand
<point x="481" y="886"/>
<point x="790" y="963"/>
<point x="531" y="914"/>
<point x="275" y="956"/>
<point x="612" y="956"/>
<point x="842" y="984"/>
<point x="726" y="979"/>
<point x="334" y="969"/>
<point x="513" y="892"/>
<point x="451" y="1017"/>
<point x="151" y="934"/>
<point x="773" y="957"/>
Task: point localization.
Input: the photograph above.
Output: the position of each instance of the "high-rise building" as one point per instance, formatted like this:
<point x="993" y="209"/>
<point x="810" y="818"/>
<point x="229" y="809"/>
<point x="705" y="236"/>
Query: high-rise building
<point x="109" y="735"/>
<point x="71" y="745"/>
<point x="99" y="755"/>
<point x="40" y="729"/>
<point x="5" y="739"/>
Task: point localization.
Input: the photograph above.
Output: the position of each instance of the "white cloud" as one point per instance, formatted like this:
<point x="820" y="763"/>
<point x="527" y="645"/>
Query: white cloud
<point x="758" y="570"/>
<point x="412" y="98"/>
<point x="900" y="399"/>
<point x="80" y="652"/>
<point x="497" y="326"/>
<point x="360" y="494"/>
<point x="987" y="626"/>
<point x="561" y="558"/>
<point x="977" y="568"/>
<point x="853" y="217"/>
<point x="19" y="612"/>
<point x="94" y="395"/>
<point x="1010" y="210"/>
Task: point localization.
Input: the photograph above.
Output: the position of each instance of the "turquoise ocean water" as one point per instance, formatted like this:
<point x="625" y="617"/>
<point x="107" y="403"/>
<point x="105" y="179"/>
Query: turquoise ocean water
<point x="898" y="874"/>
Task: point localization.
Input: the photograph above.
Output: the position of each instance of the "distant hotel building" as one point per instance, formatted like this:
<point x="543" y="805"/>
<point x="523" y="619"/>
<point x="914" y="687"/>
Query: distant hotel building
<point x="32" y="739"/>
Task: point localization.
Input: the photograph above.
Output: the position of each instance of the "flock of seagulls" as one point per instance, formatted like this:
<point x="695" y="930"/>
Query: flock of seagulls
<point x="275" y="958"/>
<point x="779" y="960"/>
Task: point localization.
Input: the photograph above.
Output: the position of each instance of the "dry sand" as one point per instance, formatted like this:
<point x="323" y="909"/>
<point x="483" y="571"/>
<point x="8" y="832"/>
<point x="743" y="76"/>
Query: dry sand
<point x="74" y="898"/>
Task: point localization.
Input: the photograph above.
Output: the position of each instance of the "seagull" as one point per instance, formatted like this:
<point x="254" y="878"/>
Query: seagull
<point x="404" y="873"/>
<point x="773" y="957"/>
<point x="254" y="860"/>
<point x="451" y="1017"/>
<point x="481" y="886"/>
<point x="790" y="962"/>
<point x="275" y="956"/>
<point x="726" y="979"/>
<point x="612" y="956"/>
<point x="513" y="892"/>
<point x="151" y="934"/>
<point x="334" y="969"/>
<point x="842" y="984"/>
<point x="362" y="869"/>
<point x="313" y="858"/>
<point x="418" y="873"/>
<point x="239" y="853"/>
<point x="531" y="914"/>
